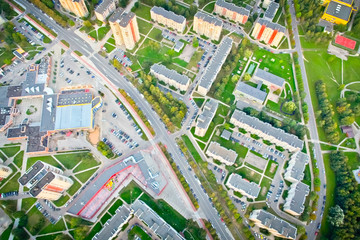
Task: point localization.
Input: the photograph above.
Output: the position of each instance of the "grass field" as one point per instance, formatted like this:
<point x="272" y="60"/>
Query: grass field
<point x="311" y="44"/>
<point x="27" y="203"/>
<point x="330" y="197"/>
<point x="12" y="184"/>
<point x="5" y="54"/>
<point x="147" y="53"/>
<point x="10" y="151"/>
<point x="46" y="159"/>
<point x="144" y="27"/>
<point x="210" y="7"/>
<point x="199" y="101"/>
<point x="353" y="160"/>
<point x="131" y="192"/>
<point x="86" y="165"/>
<point x="18" y="159"/>
<point x="59" y="226"/>
<point x="143" y="11"/>
<point x="73" y="189"/>
<point x="84" y="176"/>
<point x="102" y="32"/>
<point x="196" y="57"/>
<point x="192" y="149"/>
<point x="265" y="183"/>
<point x="104" y="218"/>
<point x="249" y="174"/>
<point x="2" y="157"/>
<point x="268" y="167"/>
<point x="69" y="160"/>
<point x="307" y="176"/>
<point x="61" y="201"/>
<point x="115" y="206"/>
<point x="36" y="221"/>
<point x="136" y="231"/>
<point x="156" y="34"/>
<point x="109" y="48"/>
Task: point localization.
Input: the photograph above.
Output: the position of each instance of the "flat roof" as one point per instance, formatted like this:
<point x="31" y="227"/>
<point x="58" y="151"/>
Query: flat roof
<point x="237" y="182"/>
<point x="31" y="172"/>
<point x="216" y="63"/>
<point x="233" y="7"/>
<point x="226" y="134"/>
<point x="122" y="17"/>
<point x="73" y="116"/>
<point x="33" y="134"/>
<point x="339" y="10"/>
<point x="48" y="114"/>
<point x="35" y="190"/>
<point x="296" y="197"/>
<point x="267" y="76"/>
<point x="74" y="97"/>
<point x="268" y="129"/>
<point x="207" y="114"/>
<point x="271" y="11"/>
<point x="170" y="73"/>
<point x="208" y="18"/>
<point x="297" y="165"/>
<point x="4" y="115"/>
<point x="168" y="14"/>
<point x="251" y="91"/>
<point x="103" y="6"/>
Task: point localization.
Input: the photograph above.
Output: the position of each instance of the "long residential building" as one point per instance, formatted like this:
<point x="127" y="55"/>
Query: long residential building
<point x="231" y="11"/>
<point x="271" y="11"/>
<point x="253" y="93"/>
<point x="207" y="25"/>
<point x="78" y="7"/>
<point x="294" y="203"/>
<point x="104" y="9"/>
<point x="271" y="80"/>
<point x="124" y="28"/>
<point x="205" y="118"/>
<point x="244" y="186"/>
<point x="45" y="181"/>
<point x="268" y="32"/>
<point x="170" y="77"/>
<point x="214" y="67"/>
<point x="168" y="18"/>
<point x="224" y="155"/>
<point x="273" y="224"/>
<point x="5" y="171"/>
<point x="295" y="170"/>
<point x="264" y="130"/>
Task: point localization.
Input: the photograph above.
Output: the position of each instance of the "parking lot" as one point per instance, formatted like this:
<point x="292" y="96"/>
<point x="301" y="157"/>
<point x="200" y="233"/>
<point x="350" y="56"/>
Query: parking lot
<point x="220" y="173"/>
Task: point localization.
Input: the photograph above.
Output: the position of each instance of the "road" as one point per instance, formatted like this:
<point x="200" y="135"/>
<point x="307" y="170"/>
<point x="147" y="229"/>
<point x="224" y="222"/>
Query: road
<point x="311" y="228"/>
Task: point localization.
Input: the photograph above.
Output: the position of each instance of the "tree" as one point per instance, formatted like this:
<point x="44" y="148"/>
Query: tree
<point x="289" y="107"/>
<point x="247" y="77"/>
<point x="20" y="233"/>
<point x="195" y="42"/>
<point x="248" y="53"/>
<point x="313" y="217"/>
<point x="75" y="222"/>
<point x="336" y="216"/>
<point x="87" y="24"/>
<point x="313" y="195"/>
<point x="123" y="3"/>
<point x="301" y="230"/>
<point x="80" y="232"/>
<point x="193" y="9"/>
<point x="23" y="221"/>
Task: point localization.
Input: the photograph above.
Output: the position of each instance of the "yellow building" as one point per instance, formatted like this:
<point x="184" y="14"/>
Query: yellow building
<point x="45" y="181"/>
<point x="4" y="171"/>
<point x="268" y="32"/>
<point x="168" y="18"/>
<point x="338" y="12"/>
<point x="104" y="9"/>
<point x="207" y="25"/>
<point x="231" y="11"/>
<point x="77" y="7"/>
<point x="124" y="28"/>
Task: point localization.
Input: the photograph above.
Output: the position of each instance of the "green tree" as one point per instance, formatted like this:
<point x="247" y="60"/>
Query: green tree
<point x="80" y="232"/>
<point x="195" y="42"/>
<point x="336" y="216"/>
<point x="289" y="107"/>
<point x="20" y="233"/>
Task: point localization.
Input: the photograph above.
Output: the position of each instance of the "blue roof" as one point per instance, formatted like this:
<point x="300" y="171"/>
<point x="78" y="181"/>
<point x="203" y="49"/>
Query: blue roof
<point x="73" y="116"/>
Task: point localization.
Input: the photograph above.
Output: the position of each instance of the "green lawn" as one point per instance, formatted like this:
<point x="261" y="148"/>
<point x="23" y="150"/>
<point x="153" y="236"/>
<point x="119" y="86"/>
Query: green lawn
<point x="353" y="160"/>
<point x="196" y="57"/>
<point x="164" y="210"/>
<point x="307" y="176"/>
<point x="131" y="192"/>
<point x="73" y="189"/>
<point x="253" y="167"/>
<point x="143" y="12"/>
<point x="330" y="198"/>
<point x="115" y="206"/>
<point x="312" y="45"/>
<point x="48" y="237"/>
<point x="61" y="201"/>
<point x="191" y="149"/>
<point x="59" y="226"/>
<point x="109" y="48"/>
<point x="210" y="7"/>
<point x="155" y="34"/>
<point x="5" y="54"/>
<point x="69" y="160"/>
<point x="18" y="159"/>
<point x="267" y="171"/>
<point x="144" y="27"/>
<point x="265" y="183"/>
<point x="2" y="157"/>
<point x="102" y="32"/>
<point x="238" y="148"/>
<point x="6" y="234"/>
<point x="104" y="218"/>
<point x="180" y="62"/>
<point x="136" y="231"/>
<point x="249" y="174"/>
<point x="27" y="203"/>
<point x="111" y="40"/>
<point x="10" y="151"/>
<point x="46" y="159"/>
<point x="284" y="44"/>
<point x="199" y="101"/>
<point x="36" y="221"/>
<point x="84" y="176"/>
<point x="281" y="66"/>
<point x="12" y="184"/>
<point x="351" y="71"/>
<point x="147" y="53"/>
<point x="93" y="34"/>
<point x="86" y="163"/>
<point x="97" y="228"/>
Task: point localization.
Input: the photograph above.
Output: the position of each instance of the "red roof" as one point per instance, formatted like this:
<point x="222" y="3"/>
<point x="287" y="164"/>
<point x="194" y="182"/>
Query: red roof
<point x="343" y="41"/>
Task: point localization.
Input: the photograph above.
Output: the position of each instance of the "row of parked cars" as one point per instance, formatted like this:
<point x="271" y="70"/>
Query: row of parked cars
<point x="9" y="194"/>
<point x="137" y="129"/>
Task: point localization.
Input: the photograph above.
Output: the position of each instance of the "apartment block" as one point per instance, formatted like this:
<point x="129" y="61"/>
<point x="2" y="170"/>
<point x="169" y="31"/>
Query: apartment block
<point x="338" y="12"/>
<point x="294" y="203"/>
<point x="273" y="224"/>
<point x="224" y="155"/>
<point x="271" y="11"/>
<point x="271" y="80"/>
<point x="170" y="77"/>
<point x="266" y="3"/>
<point x="5" y="171"/>
<point x="295" y="170"/>
<point x="266" y="131"/>
<point x="244" y="186"/>
<point x="268" y="32"/>
<point x="168" y="18"/>
<point x="207" y="25"/>
<point x="104" y="9"/>
<point x="205" y="118"/>
<point x="231" y="11"/>
<point x="254" y="94"/>
<point x="45" y="181"/>
<point x="78" y="7"/>
<point x="124" y="28"/>
<point x="214" y="67"/>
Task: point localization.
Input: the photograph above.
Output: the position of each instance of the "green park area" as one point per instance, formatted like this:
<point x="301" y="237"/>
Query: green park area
<point x="249" y="174"/>
<point x="142" y="11"/>
<point x="131" y="192"/>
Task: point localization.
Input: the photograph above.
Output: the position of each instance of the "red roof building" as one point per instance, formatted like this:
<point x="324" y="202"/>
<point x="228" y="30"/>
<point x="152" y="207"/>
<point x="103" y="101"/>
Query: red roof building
<point x="345" y="42"/>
